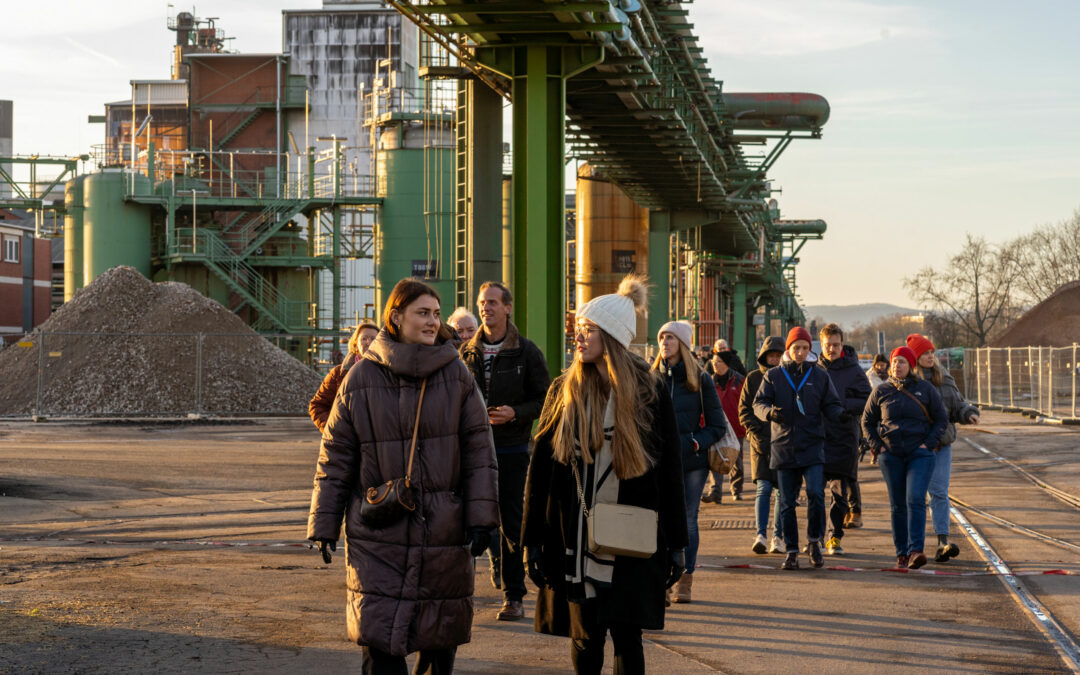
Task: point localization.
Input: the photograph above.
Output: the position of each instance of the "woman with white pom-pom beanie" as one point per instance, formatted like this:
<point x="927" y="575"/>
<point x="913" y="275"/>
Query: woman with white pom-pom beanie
<point x="607" y="436"/>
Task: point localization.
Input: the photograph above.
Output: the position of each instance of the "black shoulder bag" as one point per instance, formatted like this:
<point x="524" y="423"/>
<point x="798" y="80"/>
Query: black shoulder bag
<point x="388" y="503"/>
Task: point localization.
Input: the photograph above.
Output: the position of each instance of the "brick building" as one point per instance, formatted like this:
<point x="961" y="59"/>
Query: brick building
<point x="25" y="276"/>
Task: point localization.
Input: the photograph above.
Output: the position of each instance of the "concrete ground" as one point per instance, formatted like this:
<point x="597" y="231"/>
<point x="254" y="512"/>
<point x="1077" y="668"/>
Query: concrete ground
<point x="108" y="564"/>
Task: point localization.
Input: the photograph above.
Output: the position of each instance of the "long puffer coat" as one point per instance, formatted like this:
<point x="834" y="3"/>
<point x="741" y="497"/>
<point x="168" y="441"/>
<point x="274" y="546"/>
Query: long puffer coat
<point x="758" y="431"/>
<point x="896" y="424"/>
<point x="842" y="438"/>
<point x="550" y="523"/>
<point x="410" y="585"/>
<point x="688" y="411"/>
<point x="959" y="410"/>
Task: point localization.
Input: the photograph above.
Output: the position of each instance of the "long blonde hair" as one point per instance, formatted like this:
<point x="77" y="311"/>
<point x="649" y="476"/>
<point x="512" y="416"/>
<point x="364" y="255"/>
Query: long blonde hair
<point x="693" y="367"/>
<point x="574" y="427"/>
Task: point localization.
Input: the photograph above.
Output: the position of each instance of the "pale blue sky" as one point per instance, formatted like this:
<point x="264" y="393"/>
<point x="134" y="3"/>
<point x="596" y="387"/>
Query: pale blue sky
<point x="947" y="117"/>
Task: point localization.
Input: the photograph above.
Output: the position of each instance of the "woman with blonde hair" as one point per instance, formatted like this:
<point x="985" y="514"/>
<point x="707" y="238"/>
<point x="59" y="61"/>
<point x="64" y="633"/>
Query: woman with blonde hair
<point x="319" y="408"/>
<point x="607" y="440"/>
<point x="700" y="419"/>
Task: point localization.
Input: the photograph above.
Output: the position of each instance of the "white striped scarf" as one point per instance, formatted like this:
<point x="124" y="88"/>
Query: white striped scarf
<point x="600" y="486"/>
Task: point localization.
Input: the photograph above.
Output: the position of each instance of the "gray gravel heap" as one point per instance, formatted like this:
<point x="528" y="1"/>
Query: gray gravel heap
<point x="108" y="374"/>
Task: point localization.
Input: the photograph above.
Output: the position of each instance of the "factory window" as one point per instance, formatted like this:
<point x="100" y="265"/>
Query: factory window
<point x="11" y="249"/>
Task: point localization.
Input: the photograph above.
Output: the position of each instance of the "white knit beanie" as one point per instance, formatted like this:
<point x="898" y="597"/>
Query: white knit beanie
<point x="683" y="330"/>
<point x="616" y="313"/>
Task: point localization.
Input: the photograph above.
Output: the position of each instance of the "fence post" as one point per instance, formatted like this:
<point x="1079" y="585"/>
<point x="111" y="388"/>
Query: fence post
<point x="1008" y="365"/>
<point x="978" y="378"/>
<point x="1050" y="383"/>
<point x="40" y="375"/>
<point x="198" y="373"/>
<point x="1075" y="367"/>
<point x="989" y="376"/>
<point x="1031" y="378"/>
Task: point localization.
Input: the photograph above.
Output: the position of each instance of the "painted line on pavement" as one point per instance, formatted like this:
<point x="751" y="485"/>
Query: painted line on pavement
<point x="1040" y="616"/>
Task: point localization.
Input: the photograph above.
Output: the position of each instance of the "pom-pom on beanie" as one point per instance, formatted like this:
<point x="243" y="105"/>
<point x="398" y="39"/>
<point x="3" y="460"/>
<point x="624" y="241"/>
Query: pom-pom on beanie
<point x="683" y="330"/>
<point x="616" y="313"/>
<point x="797" y="333"/>
<point x="919" y="344"/>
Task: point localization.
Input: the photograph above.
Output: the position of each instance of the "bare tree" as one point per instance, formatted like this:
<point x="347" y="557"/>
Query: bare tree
<point x="1046" y="258"/>
<point x="973" y="291"/>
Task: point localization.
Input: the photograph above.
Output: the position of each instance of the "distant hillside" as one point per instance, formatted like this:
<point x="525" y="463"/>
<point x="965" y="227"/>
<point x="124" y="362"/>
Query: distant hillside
<point x="848" y="316"/>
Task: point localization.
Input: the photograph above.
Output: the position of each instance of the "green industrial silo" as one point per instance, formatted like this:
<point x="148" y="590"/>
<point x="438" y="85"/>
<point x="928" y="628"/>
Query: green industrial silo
<point x="415" y="233"/>
<point x="115" y="232"/>
<point x="73" y="236"/>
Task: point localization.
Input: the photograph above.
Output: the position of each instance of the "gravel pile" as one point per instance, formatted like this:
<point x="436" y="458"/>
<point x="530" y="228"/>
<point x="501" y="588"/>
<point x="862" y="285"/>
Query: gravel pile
<point x="104" y="373"/>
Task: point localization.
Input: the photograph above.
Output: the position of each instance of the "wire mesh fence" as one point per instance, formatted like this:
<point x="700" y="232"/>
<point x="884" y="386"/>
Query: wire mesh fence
<point x="154" y="375"/>
<point x="1041" y="380"/>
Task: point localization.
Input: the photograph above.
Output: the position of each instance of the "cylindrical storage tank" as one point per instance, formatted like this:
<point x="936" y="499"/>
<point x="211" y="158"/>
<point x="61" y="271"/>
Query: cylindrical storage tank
<point x="415" y="233"/>
<point x="73" y="236"/>
<point x="115" y="232"/>
<point x="508" y="229"/>
<point x="612" y="240"/>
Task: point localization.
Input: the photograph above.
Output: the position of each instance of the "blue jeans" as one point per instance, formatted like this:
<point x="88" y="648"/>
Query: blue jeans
<point x="761" y="508"/>
<point x="790" y="482"/>
<point x="693" y="484"/>
<point x="907" y="479"/>
<point x="939" y="489"/>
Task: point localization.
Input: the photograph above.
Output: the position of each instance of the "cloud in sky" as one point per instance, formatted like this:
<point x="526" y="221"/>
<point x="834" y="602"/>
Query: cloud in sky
<point x="792" y="27"/>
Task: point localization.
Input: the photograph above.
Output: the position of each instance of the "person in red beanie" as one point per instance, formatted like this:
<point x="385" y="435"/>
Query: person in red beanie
<point x="903" y="422"/>
<point x="796" y="398"/>
<point x="960" y="411"/>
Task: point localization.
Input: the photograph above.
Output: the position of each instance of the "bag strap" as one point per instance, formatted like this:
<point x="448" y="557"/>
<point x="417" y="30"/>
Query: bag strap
<point x="926" y="412"/>
<point x="415" y="430"/>
<point x="580" y="490"/>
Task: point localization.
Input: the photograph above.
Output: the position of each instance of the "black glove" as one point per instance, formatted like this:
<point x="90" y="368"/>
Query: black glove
<point x="477" y="539"/>
<point x="325" y="547"/>
<point x="678" y="566"/>
<point x="844" y="417"/>
<point x="534" y="559"/>
<point x="776" y="415"/>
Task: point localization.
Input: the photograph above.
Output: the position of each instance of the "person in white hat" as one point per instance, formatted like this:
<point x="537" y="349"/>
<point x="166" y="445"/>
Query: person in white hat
<point x="700" y="417"/>
<point x="607" y="435"/>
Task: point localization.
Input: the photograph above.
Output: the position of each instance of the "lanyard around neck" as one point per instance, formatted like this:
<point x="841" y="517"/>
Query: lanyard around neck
<point x="792" y="382"/>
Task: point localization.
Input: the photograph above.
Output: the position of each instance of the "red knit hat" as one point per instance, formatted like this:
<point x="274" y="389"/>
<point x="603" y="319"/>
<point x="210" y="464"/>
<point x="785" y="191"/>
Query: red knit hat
<point x="906" y="353"/>
<point x="798" y="333"/>
<point x="920" y="344"/>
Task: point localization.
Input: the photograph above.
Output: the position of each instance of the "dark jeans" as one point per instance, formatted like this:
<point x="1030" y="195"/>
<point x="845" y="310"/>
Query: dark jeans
<point x="854" y="492"/>
<point x="588" y="655"/>
<point x="428" y="662"/>
<point x="513" y="468"/>
<point x="693" y="484"/>
<point x="907" y="479"/>
<point x="790" y="482"/>
<point x="838" y="506"/>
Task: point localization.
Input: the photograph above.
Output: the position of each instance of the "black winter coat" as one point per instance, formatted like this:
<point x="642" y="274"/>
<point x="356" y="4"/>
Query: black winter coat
<point x="550" y="518"/>
<point x="519" y="379"/>
<point x="842" y="438"/>
<point x="798" y="441"/>
<point x="894" y="423"/>
<point x="687" y="405"/>
<point x="758" y="432"/>
<point x="959" y="410"/>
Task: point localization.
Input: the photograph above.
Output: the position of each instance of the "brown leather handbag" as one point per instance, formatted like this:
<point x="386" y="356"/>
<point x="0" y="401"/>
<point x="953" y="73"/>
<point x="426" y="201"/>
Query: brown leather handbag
<point x="388" y="503"/>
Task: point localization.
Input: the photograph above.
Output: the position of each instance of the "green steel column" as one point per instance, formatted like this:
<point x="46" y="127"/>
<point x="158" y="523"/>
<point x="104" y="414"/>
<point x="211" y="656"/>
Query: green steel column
<point x="539" y="267"/>
<point x="659" y="254"/>
<point x="740" y="332"/>
<point x="484" y="167"/>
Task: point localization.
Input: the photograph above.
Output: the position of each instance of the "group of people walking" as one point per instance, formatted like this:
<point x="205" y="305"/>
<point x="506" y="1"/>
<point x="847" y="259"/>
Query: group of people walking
<point x="430" y="458"/>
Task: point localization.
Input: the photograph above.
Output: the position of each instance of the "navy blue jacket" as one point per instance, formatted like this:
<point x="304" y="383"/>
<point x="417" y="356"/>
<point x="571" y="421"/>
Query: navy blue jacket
<point x="798" y="441"/>
<point x="894" y="423"/>
<point x="687" y="405"/>
<point x="842" y="438"/>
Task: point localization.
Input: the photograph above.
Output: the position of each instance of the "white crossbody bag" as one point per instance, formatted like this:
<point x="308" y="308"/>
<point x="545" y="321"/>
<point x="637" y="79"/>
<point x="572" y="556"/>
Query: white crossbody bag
<point x="618" y="529"/>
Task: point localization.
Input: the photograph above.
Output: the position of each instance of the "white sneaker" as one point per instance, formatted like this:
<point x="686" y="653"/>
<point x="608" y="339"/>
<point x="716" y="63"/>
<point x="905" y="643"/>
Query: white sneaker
<point x="776" y="545"/>
<point x="759" y="544"/>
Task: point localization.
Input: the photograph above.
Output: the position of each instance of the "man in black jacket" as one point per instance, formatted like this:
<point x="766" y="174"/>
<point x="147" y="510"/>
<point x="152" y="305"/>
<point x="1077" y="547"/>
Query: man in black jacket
<point x="841" y="362"/>
<point x="513" y="378"/>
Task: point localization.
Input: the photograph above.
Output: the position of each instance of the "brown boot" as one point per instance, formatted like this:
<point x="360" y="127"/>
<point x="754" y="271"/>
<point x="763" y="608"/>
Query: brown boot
<point x="682" y="588"/>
